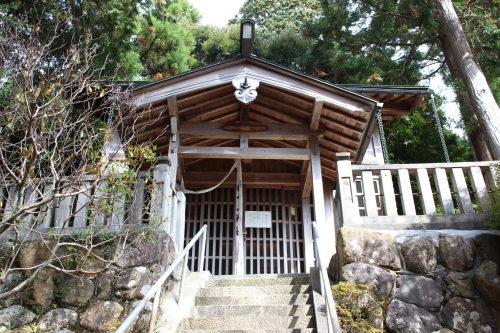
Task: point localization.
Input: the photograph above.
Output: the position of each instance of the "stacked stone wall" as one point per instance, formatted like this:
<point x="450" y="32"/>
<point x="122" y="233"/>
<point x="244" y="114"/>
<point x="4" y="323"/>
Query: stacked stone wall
<point x="449" y="284"/>
<point x="65" y="303"/>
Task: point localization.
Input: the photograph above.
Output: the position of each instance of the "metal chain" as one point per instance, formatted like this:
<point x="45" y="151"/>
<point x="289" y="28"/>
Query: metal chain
<point x="439" y="128"/>
<point x="382" y="136"/>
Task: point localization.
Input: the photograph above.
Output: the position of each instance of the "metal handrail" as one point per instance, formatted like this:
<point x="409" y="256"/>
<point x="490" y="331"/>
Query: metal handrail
<point x="156" y="289"/>
<point x="333" y="321"/>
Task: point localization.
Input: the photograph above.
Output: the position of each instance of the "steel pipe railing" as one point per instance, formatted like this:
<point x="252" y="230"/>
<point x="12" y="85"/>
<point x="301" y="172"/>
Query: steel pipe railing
<point x="333" y="321"/>
<point x="156" y="289"/>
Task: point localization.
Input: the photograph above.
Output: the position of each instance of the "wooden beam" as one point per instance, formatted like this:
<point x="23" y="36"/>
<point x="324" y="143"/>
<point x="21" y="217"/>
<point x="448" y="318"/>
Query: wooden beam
<point x="173" y="111"/>
<point x="281" y="107"/>
<point x="306" y="182"/>
<point x="239" y="248"/>
<point x="215" y="107"/>
<point x="215" y="130"/>
<point x="359" y="117"/>
<point x="270" y="113"/>
<point x="220" y="117"/>
<point x="249" y="178"/>
<point x="344" y="124"/>
<point x="316" y="115"/>
<point x="244" y="113"/>
<point x="197" y="95"/>
<point x="339" y="144"/>
<point x="257" y="153"/>
<point x="244" y="141"/>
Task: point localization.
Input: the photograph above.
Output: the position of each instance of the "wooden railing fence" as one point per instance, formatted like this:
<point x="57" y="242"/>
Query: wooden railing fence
<point x="110" y="209"/>
<point x="414" y="196"/>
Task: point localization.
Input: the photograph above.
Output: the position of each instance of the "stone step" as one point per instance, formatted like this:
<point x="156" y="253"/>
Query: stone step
<point x="255" y="290"/>
<point x="288" y="330"/>
<point x="245" y="323"/>
<point x="258" y="280"/>
<point x="283" y="299"/>
<point x="252" y="310"/>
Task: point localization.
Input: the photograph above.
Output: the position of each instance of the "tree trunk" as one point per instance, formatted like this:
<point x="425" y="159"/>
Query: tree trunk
<point x="476" y="136"/>
<point x="481" y="97"/>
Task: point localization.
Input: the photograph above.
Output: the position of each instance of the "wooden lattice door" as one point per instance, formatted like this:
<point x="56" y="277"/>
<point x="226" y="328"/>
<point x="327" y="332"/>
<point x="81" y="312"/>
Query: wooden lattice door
<point x="216" y="210"/>
<point x="279" y="249"/>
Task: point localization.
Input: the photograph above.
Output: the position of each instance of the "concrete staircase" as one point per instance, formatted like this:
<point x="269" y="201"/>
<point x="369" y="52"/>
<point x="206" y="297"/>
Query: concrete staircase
<point x="255" y="304"/>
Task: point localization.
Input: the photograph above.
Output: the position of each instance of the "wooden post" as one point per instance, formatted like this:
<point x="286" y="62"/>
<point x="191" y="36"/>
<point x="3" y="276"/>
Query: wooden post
<point x="460" y="185"/>
<point x="169" y="185"/>
<point x="443" y="187"/>
<point x="319" y="199"/>
<point x="329" y="227"/>
<point x="181" y="218"/>
<point x="159" y="197"/>
<point x="424" y="186"/>
<point x="308" y="240"/>
<point x="239" y="252"/>
<point x="406" y="193"/>
<point x="479" y="186"/>
<point x="349" y="211"/>
<point x="387" y="185"/>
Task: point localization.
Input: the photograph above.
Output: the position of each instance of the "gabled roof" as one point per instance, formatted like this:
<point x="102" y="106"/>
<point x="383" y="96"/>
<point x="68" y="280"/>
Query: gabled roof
<point x="343" y="115"/>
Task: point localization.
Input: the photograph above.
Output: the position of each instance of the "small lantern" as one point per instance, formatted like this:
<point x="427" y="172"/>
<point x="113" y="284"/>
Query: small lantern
<point x="246" y="38"/>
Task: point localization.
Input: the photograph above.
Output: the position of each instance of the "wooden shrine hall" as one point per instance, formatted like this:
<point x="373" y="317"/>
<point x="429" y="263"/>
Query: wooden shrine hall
<point x="278" y="131"/>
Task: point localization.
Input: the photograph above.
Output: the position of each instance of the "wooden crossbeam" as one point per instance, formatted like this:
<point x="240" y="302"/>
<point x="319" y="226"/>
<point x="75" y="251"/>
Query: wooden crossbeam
<point x="256" y="153"/>
<point x="212" y="178"/>
<point x="264" y="131"/>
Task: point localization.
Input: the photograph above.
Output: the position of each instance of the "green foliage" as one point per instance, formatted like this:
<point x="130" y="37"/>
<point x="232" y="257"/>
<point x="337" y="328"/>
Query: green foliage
<point x="164" y="42"/>
<point x="215" y="44"/>
<point x="273" y="17"/>
<point x="357" y="308"/>
<point x="133" y="38"/>
<point x="415" y="139"/>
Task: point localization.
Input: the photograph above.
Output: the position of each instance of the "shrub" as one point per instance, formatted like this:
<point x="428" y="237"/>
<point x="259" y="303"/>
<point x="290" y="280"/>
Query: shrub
<point x="357" y="308"/>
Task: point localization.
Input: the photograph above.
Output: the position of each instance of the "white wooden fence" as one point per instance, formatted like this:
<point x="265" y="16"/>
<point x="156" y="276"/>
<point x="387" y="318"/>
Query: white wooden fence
<point x="414" y="196"/>
<point x="99" y="206"/>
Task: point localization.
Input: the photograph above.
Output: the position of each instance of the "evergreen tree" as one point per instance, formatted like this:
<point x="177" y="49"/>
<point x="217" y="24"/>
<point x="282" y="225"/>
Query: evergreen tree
<point x="135" y="38"/>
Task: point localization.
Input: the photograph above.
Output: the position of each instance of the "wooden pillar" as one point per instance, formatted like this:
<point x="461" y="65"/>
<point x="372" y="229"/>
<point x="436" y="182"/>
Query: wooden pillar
<point x="158" y="199"/>
<point x="319" y="199"/>
<point x="308" y="240"/>
<point x="349" y="210"/>
<point x="239" y="244"/>
<point x="329" y="226"/>
<point x="170" y="211"/>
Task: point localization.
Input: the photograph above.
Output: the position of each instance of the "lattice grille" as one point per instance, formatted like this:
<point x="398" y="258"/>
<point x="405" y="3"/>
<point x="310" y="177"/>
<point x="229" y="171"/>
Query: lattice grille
<point x="279" y="249"/>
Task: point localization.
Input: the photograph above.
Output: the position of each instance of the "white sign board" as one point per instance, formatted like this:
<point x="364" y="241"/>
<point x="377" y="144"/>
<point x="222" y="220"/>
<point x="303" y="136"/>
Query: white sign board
<point x="257" y="219"/>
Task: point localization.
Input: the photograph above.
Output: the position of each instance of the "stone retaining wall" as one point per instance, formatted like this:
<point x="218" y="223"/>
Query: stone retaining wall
<point x="62" y="303"/>
<point x="425" y="285"/>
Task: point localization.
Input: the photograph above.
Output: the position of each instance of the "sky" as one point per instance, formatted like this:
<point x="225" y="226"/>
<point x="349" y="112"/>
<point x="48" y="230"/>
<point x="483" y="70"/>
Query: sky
<point x="217" y="12"/>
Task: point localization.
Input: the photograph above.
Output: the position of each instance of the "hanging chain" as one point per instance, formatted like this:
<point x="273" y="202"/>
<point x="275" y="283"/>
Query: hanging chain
<point x="382" y="136"/>
<point x="439" y="128"/>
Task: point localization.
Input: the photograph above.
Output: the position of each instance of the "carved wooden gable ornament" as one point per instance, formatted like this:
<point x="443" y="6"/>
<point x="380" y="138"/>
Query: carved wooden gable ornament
<point x="246" y="90"/>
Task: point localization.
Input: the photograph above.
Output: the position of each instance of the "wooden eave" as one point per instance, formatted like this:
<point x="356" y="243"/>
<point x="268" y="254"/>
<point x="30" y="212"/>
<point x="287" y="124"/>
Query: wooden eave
<point x="343" y="119"/>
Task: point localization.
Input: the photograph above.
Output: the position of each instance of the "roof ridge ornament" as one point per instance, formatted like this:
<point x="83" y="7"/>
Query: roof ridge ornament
<point x="246" y="89"/>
